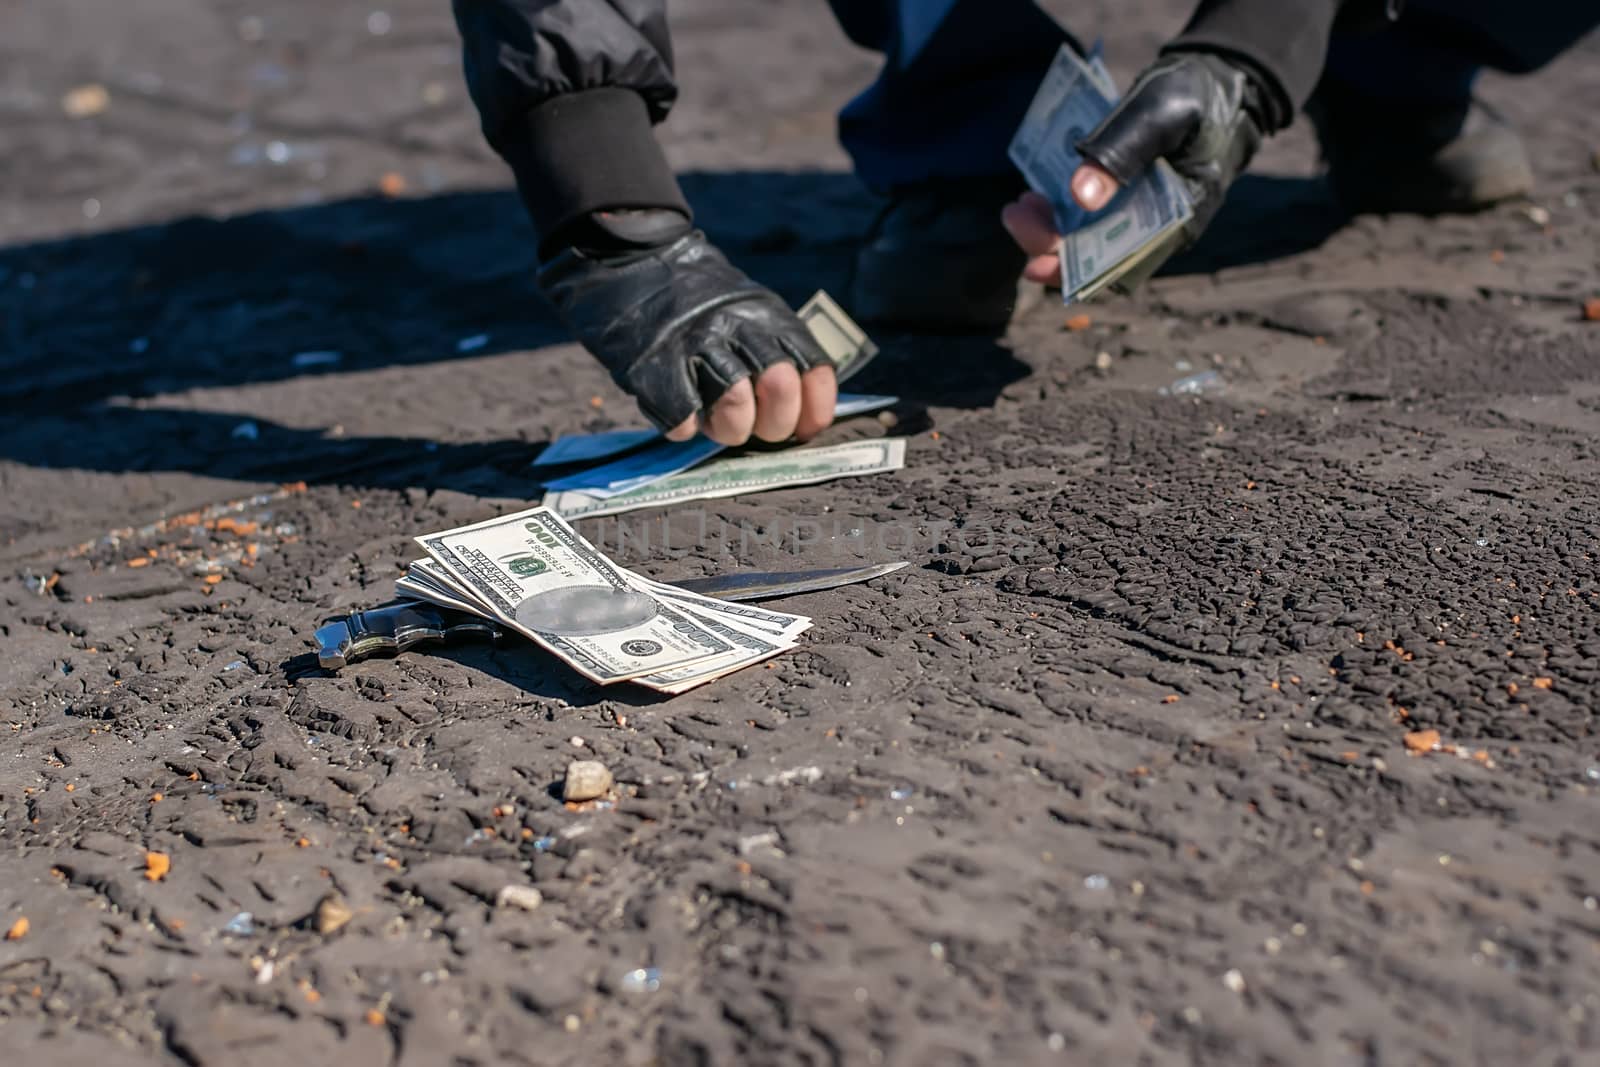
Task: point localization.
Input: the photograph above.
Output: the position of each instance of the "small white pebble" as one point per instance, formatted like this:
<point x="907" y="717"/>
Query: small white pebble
<point x="525" y="897"/>
<point x="1233" y="980"/>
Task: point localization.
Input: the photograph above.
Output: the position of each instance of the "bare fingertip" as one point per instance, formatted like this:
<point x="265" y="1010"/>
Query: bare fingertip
<point x="684" y="430"/>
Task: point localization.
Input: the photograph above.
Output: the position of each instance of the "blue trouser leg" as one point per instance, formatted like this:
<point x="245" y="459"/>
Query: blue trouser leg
<point x="957" y="78"/>
<point x="1436" y="49"/>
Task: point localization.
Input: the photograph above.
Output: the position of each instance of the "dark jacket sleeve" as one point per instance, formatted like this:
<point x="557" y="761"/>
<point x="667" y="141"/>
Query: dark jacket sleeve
<point x="568" y="92"/>
<point x="1286" y="41"/>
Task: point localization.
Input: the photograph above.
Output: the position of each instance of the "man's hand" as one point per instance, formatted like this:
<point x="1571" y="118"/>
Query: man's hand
<point x="1198" y="111"/>
<point x="695" y="341"/>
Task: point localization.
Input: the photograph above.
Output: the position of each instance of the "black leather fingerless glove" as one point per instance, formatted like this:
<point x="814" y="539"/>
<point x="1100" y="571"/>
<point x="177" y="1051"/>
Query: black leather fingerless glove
<point x="1200" y="112"/>
<point x="676" y="324"/>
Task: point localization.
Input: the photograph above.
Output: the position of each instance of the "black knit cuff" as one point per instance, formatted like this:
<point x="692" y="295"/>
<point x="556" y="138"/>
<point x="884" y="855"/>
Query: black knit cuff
<point x="590" y="151"/>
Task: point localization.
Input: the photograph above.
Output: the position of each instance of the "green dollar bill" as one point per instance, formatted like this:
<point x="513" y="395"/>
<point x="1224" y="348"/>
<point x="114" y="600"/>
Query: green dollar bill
<point x="846" y="344"/>
<point x="541" y="578"/>
<point x="734" y="476"/>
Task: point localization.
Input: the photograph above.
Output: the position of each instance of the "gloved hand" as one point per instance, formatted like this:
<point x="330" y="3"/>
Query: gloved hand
<point x="1200" y="112"/>
<point x="685" y="332"/>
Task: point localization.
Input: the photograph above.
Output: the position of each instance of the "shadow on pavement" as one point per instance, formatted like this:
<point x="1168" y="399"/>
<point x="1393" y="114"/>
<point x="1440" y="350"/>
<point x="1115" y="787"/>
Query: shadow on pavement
<point x="90" y="323"/>
<point x="513" y="660"/>
<point x="1264" y="218"/>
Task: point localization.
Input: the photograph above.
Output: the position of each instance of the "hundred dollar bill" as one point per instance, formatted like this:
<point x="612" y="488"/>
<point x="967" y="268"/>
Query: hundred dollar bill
<point x="639" y="469"/>
<point x="1106" y="250"/>
<point x="846" y="344"/>
<point x="1144" y="222"/>
<point x="409" y="586"/>
<point x="767" y="621"/>
<point x="537" y="575"/>
<point x="734" y="476"/>
<point x="1065" y="109"/>
<point x="426" y="580"/>
<point x="1102" y="74"/>
<point x="749" y="648"/>
<point x="754" y="632"/>
<point x="666" y="457"/>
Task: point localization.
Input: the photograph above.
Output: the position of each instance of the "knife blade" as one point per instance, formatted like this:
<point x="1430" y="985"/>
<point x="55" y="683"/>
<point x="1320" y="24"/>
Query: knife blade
<point x="391" y="629"/>
<point x="763" y="585"/>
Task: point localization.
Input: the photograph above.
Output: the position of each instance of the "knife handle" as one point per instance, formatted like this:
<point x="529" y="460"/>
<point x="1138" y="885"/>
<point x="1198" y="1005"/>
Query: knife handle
<point x="393" y="628"/>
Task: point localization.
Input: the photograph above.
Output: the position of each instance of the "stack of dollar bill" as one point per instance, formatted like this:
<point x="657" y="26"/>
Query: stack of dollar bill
<point x="1126" y="241"/>
<point x="533" y="573"/>
<point x="655" y="472"/>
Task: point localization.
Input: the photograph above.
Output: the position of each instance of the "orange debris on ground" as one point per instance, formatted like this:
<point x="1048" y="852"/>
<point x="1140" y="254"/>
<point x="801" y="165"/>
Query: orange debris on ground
<point x="156" y="865"/>
<point x="1078" y="322"/>
<point x="1543" y="683"/>
<point x="375" y="1017"/>
<point x="138" y="561"/>
<point x="234" y="526"/>
<point x="1591" y="309"/>
<point x="18" y="930"/>
<point x="392" y="184"/>
<point x="1170" y="698"/>
<point x="213" y="579"/>
<point x="1419" y="742"/>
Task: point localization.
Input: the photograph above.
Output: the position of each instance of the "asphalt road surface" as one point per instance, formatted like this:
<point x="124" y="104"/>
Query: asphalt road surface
<point x="1132" y="765"/>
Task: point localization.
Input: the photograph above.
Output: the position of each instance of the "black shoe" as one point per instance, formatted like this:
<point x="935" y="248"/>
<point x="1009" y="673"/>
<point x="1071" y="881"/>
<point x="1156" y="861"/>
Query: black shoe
<point x="1429" y="159"/>
<point x="938" y="259"/>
